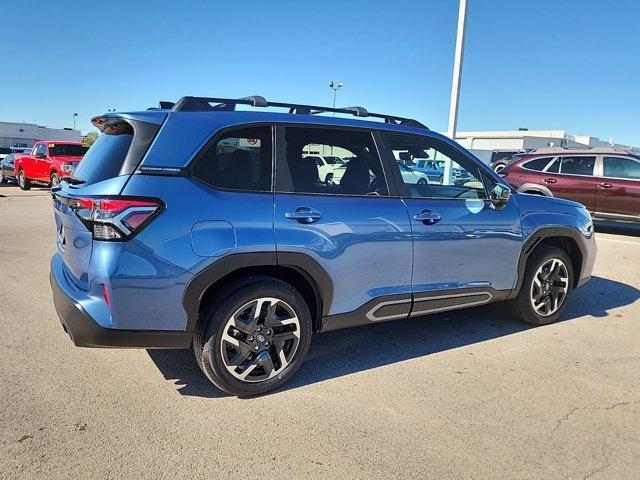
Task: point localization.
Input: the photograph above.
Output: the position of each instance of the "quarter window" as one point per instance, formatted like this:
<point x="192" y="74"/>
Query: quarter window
<point x="240" y="160"/>
<point x="577" y="165"/>
<point x="463" y="179"/>
<point x="361" y="175"/>
<point x="537" y="164"/>
<point x="620" y="167"/>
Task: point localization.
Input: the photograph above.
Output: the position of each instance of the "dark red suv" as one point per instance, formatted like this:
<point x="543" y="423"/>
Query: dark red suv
<point x="605" y="180"/>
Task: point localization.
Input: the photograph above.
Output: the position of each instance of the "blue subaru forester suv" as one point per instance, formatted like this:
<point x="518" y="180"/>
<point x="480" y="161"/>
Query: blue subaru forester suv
<point x="201" y="225"/>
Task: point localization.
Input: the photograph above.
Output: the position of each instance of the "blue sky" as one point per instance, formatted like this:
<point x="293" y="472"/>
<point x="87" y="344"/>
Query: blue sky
<point x="541" y="64"/>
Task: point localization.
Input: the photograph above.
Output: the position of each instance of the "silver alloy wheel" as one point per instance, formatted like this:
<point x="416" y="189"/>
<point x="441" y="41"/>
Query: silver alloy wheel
<point x="260" y="339"/>
<point x="55" y="180"/>
<point x="549" y="287"/>
<point x="21" y="180"/>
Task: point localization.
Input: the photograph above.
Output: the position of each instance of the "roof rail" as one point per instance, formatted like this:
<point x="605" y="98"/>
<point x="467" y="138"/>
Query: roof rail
<point x="229" y="104"/>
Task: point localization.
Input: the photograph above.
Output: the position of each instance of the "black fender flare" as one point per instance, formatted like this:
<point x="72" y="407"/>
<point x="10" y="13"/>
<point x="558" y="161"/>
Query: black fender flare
<point x="535" y="239"/>
<point x="303" y="263"/>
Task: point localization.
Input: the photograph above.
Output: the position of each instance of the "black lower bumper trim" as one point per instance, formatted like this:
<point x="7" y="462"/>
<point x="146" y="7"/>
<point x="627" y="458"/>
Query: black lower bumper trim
<point x="85" y="332"/>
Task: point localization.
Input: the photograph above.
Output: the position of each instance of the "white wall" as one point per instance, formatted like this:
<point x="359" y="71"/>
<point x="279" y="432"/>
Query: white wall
<point x="12" y="133"/>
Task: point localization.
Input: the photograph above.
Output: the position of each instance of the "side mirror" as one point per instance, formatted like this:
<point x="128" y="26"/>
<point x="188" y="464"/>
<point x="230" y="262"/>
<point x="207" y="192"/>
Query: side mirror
<point x="499" y="195"/>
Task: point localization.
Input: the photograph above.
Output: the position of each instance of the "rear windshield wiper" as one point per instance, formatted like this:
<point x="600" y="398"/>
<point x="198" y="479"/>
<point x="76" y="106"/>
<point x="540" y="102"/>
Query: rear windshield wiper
<point x="73" y="180"/>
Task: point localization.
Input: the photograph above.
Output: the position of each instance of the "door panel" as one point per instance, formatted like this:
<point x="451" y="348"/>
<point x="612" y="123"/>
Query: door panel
<point x="364" y="244"/>
<point x="618" y="192"/>
<point x="353" y="227"/>
<point x="460" y="242"/>
<point x="466" y="248"/>
<point x="575" y="180"/>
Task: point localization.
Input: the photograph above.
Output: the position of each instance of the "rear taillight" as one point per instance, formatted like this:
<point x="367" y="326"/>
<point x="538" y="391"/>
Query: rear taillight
<point x="115" y="219"/>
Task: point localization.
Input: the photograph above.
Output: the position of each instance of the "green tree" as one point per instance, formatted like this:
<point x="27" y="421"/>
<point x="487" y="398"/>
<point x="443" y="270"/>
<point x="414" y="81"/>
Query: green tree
<point x="89" y="138"/>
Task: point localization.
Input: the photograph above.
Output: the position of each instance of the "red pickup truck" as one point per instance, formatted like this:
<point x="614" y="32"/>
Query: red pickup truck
<point x="48" y="162"/>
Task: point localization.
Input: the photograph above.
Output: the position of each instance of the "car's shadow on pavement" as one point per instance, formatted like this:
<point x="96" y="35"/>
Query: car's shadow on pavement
<point x="342" y="352"/>
<point x="617" y="228"/>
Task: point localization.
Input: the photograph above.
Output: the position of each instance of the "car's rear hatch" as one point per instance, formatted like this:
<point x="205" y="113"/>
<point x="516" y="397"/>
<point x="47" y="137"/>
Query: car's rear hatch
<point x="103" y="173"/>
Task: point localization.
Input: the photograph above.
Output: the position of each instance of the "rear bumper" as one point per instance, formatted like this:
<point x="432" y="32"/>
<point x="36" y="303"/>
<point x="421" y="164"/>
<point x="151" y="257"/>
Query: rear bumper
<point x="84" y="331"/>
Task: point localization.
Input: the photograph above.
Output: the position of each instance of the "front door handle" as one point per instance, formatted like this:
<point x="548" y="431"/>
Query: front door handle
<point x="428" y="217"/>
<point x="550" y="180"/>
<point x="604" y="185"/>
<point x="304" y="215"/>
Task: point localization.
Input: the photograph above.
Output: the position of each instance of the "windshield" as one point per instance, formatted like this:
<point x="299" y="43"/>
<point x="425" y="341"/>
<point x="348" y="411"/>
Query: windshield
<point x="66" y="150"/>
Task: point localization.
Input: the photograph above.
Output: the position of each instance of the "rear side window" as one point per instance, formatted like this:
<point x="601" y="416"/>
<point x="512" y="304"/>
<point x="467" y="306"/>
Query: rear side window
<point x="577" y="165"/>
<point x="361" y="175"/>
<point x="620" y="167"/>
<point x="239" y="160"/>
<point x="66" y="150"/>
<point x="537" y="164"/>
<point x="105" y="158"/>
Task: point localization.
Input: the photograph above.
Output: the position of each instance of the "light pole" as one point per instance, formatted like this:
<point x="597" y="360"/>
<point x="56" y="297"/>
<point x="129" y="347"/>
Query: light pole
<point x="335" y="87"/>
<point x="74" y="120"/>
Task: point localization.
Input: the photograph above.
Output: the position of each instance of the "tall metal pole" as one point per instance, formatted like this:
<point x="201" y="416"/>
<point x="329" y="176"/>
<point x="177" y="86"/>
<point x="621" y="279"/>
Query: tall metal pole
<point x="457" y="70"/>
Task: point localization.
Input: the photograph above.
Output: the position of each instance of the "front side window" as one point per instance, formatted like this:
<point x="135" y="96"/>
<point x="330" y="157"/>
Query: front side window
<point x="361" y="175"/>
<point x="463" y="180"/>
<point x="537" y="164"/>
<point x="577" y="165"/>
<point x="41" y="149"/>
<point x="620" y="167"/>
<point x="239" y="160"/>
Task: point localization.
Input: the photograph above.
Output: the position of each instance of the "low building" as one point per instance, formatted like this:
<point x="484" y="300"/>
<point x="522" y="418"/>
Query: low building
<point x="491" y="146"/>
<point x="24" y="135"/>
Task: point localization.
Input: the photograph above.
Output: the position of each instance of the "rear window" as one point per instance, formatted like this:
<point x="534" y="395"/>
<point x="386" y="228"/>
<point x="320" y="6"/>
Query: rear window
<point x="105" y="158"/>
<point x="66" y="150"/>
<point x="537" y="164"/>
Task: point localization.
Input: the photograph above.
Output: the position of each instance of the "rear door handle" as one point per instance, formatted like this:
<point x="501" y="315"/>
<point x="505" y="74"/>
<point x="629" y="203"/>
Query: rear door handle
<point x="604" y="185"/>
<point x="550" y="180"/>
<point x="304" y="215"/>
<point x="428" y="217"/>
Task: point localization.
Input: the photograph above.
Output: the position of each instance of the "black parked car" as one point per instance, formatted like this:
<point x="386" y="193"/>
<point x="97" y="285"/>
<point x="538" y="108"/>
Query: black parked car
<point x="7" y="173"/>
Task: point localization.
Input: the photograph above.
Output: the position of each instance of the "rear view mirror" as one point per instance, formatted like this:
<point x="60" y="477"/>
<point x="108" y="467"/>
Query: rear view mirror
<point x="499" y="195"/>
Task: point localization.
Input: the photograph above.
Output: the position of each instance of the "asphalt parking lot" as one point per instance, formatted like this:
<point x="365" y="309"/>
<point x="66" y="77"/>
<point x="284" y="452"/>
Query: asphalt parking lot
<point x="467" y="394"/>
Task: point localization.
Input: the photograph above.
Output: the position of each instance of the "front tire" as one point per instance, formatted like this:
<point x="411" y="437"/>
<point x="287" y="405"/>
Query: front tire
<point x="547" y="283"/>
<point x="23" y="182"/>
<point x="2" y="177"/>
<point x="329" y="179"/>
<point x="55" y="180"/>
<point x="254" y="336"/>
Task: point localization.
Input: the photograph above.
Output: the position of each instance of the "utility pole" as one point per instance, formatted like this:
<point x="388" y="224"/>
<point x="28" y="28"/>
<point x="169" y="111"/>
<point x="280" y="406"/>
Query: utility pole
<point x="74" y="120"/>
<point x="457" y="70"/>
<point x="455" y="84"/>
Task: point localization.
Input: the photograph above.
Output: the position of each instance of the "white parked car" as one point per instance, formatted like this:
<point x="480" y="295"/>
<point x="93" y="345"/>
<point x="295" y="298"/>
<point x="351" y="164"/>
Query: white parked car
<point x="412" y="176"/>
<point x="327" y="164"/>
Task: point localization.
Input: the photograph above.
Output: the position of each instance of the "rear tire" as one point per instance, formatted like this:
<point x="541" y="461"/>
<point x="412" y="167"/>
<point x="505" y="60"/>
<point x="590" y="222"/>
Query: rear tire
<point x="329" y="179"/>
<point x="23" y="182"/>
<point x="246" y="353"/>
<point x="547" y="283"/>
